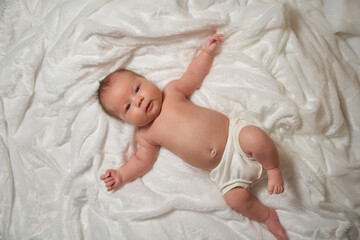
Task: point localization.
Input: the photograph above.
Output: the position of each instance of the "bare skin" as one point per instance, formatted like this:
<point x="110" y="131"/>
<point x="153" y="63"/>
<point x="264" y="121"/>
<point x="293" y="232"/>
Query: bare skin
<point x="197" y="135"/>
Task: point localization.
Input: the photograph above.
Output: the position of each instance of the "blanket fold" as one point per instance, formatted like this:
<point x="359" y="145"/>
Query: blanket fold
<point x="288" y="66"/>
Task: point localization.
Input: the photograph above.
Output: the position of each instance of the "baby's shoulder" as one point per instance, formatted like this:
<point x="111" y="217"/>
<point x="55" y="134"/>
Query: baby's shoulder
<point x="172" y="89"/>
<point x="170" y="86"/>
<point x="145" y="136"/>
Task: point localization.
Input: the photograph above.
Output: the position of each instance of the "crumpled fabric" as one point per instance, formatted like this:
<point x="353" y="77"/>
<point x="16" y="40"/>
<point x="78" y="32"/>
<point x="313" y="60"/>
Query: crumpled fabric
<point x="290" y="66"/>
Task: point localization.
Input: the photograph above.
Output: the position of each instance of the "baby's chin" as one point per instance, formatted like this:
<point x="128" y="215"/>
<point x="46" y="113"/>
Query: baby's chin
<point x="144" y="122"/>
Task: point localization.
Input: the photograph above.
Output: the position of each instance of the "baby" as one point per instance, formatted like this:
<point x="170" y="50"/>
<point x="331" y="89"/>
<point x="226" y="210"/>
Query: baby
<point x="234" y="150"/>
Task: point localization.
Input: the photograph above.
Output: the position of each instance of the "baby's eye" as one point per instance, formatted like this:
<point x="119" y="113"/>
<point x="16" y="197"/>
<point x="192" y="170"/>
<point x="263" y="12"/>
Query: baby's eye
<point x="137" y="89"/>
<point x="128" y="107"/>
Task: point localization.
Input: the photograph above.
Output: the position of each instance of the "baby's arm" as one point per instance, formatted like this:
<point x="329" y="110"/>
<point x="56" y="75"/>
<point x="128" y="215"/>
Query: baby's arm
<point x="199" y="67"/>
<point x="139" y="164"/>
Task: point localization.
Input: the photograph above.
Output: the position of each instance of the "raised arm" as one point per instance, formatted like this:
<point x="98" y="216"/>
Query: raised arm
<point x="138" y="164"/>
<point x="199" y="67"/>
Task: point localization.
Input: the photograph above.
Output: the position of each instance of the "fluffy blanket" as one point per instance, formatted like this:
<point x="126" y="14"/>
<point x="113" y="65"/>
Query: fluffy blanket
<point x="291" y="66"/>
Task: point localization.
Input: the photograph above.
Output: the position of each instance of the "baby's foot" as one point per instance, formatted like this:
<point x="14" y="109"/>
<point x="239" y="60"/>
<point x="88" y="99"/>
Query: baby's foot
<point x="274" y="225"/>
<point x="275" y="181"/>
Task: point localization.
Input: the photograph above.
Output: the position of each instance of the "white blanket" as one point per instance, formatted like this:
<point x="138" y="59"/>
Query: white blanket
<point x="292" y="66"/>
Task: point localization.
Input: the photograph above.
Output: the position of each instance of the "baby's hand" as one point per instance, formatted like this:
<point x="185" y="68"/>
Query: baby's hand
<point x="211" y="43"/>
<point x="112" y="179"/>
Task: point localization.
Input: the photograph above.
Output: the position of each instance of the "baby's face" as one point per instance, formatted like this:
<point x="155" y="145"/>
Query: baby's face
<point x="133" y="98"/>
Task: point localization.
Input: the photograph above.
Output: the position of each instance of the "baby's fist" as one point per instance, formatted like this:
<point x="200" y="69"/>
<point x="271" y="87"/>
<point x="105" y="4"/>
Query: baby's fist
<point x="112" y="179"/>
<point x="211" y="43"/>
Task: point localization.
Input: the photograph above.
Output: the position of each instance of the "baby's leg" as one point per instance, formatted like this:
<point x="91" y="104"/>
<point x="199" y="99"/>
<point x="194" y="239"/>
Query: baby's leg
<point x="255" y="142"/>
<point x="241" y="200"/>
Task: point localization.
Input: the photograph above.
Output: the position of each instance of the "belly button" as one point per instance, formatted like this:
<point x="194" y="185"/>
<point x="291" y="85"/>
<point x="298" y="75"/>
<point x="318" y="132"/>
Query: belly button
<point x="213" y="152"/>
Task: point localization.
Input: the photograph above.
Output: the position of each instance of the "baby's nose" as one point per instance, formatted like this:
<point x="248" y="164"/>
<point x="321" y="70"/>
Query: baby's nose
<point x="139" y="100"/>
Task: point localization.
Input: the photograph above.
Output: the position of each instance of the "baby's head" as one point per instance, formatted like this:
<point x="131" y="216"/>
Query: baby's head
<point x="128" y="96"/>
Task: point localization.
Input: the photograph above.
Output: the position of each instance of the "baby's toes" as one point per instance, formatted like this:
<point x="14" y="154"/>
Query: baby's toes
<point x="271" y="189"/>
<point x="279" y="189"/>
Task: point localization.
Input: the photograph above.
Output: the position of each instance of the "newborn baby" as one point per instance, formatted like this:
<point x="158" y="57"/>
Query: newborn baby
<point x="235" y="151"/>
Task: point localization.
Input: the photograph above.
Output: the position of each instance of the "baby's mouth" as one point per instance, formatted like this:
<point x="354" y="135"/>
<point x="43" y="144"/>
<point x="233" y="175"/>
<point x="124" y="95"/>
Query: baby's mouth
<point x="149" y="106"/>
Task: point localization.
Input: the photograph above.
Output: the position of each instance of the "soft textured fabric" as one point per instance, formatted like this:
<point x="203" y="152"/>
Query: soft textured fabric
<point x="292" y="66"/>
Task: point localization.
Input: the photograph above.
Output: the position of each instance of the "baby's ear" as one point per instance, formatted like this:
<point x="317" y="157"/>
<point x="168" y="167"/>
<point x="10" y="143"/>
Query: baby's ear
<point x="113" y="116"/>
<point x="119" y="118"/>
<point x="116" y="117"/>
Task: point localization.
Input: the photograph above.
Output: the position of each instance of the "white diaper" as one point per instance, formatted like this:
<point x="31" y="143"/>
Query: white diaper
<point x="236" y="169"/>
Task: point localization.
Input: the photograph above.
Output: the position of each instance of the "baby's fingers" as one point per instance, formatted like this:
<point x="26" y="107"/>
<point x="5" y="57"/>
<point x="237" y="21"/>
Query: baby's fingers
<point x="212" y="42"/>
<point x="217" y="39"/>
<point x="218" y="35"/>
<point x="106" y="175"/>
<point x="212" y="47"/>
<point x="110" y="183"/>
<point x="109" y="179"/>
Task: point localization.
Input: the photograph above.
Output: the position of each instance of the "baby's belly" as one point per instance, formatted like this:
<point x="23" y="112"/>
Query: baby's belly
<point x="201" y="145"/>
<point x="205" y="157"/>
